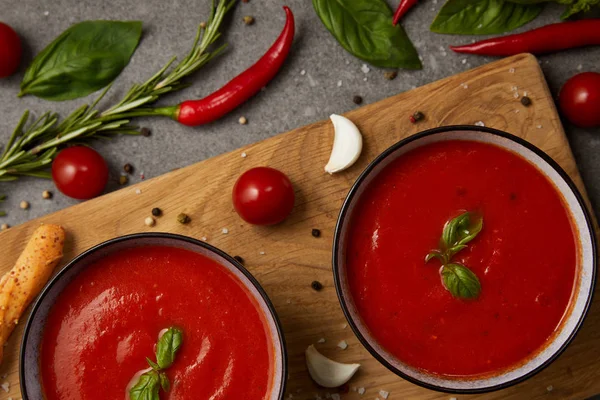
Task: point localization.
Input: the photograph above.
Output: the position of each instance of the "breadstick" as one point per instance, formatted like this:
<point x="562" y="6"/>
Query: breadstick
<point x="33" y="268"/>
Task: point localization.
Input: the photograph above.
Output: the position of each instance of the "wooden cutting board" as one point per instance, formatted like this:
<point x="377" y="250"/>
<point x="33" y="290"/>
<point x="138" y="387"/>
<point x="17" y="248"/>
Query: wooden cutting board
<point x="292" y="258"/>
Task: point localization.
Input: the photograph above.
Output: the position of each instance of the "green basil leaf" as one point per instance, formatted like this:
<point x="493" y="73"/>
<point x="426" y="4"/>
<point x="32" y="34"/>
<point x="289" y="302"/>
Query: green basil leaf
<point x="152" y="364"/>
<point x="83" y="59"/>
<point x="146" y="388"/>
<point x="364" y="29"/>
<point x="165" y="384"/>
<point x="573" y="6"/>
<point x="436" y="254"/>
<point x="451" y="230"/>
<point x="483" y="17"/>
<point x="460" y="281"/>
<point x="167" y="347"/>
<point x="468" y="229"/>
<point x="451" y="252"/>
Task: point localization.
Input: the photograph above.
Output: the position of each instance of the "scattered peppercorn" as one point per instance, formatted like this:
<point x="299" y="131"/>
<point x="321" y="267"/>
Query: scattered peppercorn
<point x="243" y="121"/>
<point x="390" y="75"/>
<point x="248" y="20"/>
<point x="357" y="100"/>
<point x="316" y="233"/>
<point x="416" y="117"/>
<point x="128" y="168"/>
<point x="46" y="194"/>
<point x="526" y="101"/>
<point x="183" y="218"/>
<point x="149" y="221"/>
<point x="24" y="205"/>
<point x="157" y="212"/>
<point x="202" y="25"/>
<point x="316" y="285"/>
<point x="123" y="179"/>
<point x="238" y="259"/>
<point x="4" y="227"/>
<point x="145" y="132"/>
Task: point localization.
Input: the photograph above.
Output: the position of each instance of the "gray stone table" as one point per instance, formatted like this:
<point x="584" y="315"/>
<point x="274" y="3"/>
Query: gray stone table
<point x="293" y="99"/>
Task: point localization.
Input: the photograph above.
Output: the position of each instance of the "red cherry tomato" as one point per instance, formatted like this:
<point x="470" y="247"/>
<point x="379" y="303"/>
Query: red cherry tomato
<point x="579" y="99"/>
<point x="10" y="50"/>
<point x="80" y="172"/>
<point x="263" y="196"/>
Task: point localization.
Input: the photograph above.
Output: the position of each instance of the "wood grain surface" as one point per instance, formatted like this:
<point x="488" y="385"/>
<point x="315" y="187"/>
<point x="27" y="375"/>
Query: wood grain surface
<point x="293" y="258"/>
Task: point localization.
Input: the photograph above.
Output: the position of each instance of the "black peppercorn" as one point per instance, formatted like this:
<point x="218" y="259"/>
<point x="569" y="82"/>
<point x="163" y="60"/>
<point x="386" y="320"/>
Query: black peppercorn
<point x="526" y="101"/>
<point x="316" y="233"/>
<point x="145" y="132"/>
<point x="157" y="212"/>
<point x="238" y="259"/>
<point x="316" y="285"/>
<point x="128" y="168"/>
<point x="357" y="100"/>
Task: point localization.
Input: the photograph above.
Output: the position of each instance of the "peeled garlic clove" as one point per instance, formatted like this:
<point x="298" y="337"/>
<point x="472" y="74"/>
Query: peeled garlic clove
<point x="347" y="144"/>
<point x="326" y="372"/>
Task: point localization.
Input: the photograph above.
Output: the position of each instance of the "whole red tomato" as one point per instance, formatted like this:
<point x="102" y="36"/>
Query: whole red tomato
<point x="80" y="172"/>
<point x="10" y="50"/>
<point x="263" y="196"/>
<point x="579" y="99"/>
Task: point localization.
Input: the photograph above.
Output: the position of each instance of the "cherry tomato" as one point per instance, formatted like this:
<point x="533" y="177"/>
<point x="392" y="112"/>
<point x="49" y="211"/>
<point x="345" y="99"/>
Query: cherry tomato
<point x="579" y="99"/>
<point x="80" y="172"/>
<point x="10" y="50"/>
<point x="263" y="196"/>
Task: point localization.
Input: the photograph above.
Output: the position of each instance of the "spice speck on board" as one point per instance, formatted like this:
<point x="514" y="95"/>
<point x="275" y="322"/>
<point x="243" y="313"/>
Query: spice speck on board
<point x="157" y="212"/>
<point x="225" y="231"/>
<point x="384" y="394"/>
<point x="183" y="218"/>
<point x="343" y="345"/>
<point x="238" y="259"/>
<point x="4" y="227"/>
<point x="362" y="390"/>
<point x="244" y="155"/>
<point x="128" y="168"/>
<point x="511" y="70"/>
<point x="46" y="194"/>
<point x="123" y="180"/>
<point x="138" y="191"/>
<point x="365" y="68"/>
<point x="550" y="388"/>
<point x="322" y="340"/>
<point x="390" y="75"/>
<point x="416" y="117"/>
<point x="145" y="132"/>
<point x="149" y="221"/>
<point x="525" y="100"/>
<point x="315" y="233"/>
<point x="24" y="205"/>
<point x="243" y="120"/>
<point x="248" y="20"/>
<point x="316" y="285"/>
<point x="357" y="100"/>
<point x="479" y="123"/>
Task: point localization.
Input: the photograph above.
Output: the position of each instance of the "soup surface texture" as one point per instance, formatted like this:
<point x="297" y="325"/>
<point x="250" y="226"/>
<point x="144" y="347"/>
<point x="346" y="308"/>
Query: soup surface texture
<point x="525" y="258"/>
<point x="107" y="320"/>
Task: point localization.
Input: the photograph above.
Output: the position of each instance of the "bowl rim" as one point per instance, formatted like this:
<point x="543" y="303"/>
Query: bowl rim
<point x="144" y="235"/>
<point x="343" y="214"/>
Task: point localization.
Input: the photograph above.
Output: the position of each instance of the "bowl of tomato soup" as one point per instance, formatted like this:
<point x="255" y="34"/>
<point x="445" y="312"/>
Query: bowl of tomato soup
<point x="464" y="259"/>
<point x="166" y="311"/>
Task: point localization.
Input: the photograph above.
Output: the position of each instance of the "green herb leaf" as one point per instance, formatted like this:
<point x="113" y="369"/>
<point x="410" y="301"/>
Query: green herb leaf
<point x="364" y="29"/>
<point x="451" y="252"/>
<point x="436" y="254"/>
<point x="460" y="281"/>
<point x="83" y="59"/>
<point x="146" y="388"/>
<point x="483" y="17"/>
<point x="460" y="231"/>
<point x="573" y="6"/>
<point x="165" y="384"/>
<point x="167" y="347"/>
<point x="152" y="364"/>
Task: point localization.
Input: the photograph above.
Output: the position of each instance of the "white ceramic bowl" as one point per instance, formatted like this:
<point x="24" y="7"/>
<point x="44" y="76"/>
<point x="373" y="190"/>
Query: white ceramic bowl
<point x="586" y="267"/>
<point x="31" y="387"/>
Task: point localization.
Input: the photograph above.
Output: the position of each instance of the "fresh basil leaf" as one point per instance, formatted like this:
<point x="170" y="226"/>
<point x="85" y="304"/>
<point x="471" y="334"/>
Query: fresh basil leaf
<point x="460" y="281"/>
<point x="165" y="384"/>
<point x="436" y="254"/>
<point x="573" y="6"/>
<point x="167" y="347"/>
<point x="146" y="388"/>
<point x="152" y="364"/>
<point x="364" y="29"/>
<point x="483" y="17"/>
<point x="83" y="59"/>
<point x="452" y="228"/>
<point x="451" y="252"/>
<point x="468" y="229"/>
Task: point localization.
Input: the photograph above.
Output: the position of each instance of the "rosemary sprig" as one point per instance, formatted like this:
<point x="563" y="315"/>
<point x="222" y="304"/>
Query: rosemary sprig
<point x="33" y="145"/>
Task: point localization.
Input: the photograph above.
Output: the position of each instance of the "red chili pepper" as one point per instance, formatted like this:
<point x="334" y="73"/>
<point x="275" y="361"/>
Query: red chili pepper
<point x="402" y="9"/>
<point x="547" y="39"/>
<point x="243" y="86"/>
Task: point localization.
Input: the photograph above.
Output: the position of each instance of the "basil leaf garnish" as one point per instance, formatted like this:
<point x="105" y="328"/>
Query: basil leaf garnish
<point x="146" y="388"/>
<point x="573" y="6"/>
<point x="483" y="17"/>
<point x="167" y="347"/>
<point x="152" y="364"/>
<point x="364" y="29"/>
<point x="165" y="384"/>
<point x="460" y="281"/>
<point x="83" y="59"/>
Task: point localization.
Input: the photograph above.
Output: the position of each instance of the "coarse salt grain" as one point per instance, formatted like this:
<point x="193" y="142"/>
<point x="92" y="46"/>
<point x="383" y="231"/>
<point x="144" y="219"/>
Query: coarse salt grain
<point x="46" y="13"/>
<point x="550" y="388"/>
<point x="539" y="127"/>
<point x="244" y="155"/>
<point x="344" y="326"/>
<point x="365" y="79"/>
<point x="262" y="253"/>
<point x="322" y="340"/>
<point x="514" y="88"/>
<point x="361" y="390"/>
<point x="579" y="67"/>
<point x="479" y="123"/>
<point x="464" y="61"/>
<point x="516" y="95"/>
<point x="365" y="68"/>
<point x="303" y="72"/>
<point x="203" y="238"/>
<point x="385" y="394"/>
<point x="225" y="231"/>
<point x="524" y="93"/>
<point x="343" y="345"/>
<point x="288" y="301"/>
<point x="517" y="111"/>
<point x="511" y="70"/>
<point x="339" y="83"/>
<point x="138" y="191"/>
<point x="5" y="386"/>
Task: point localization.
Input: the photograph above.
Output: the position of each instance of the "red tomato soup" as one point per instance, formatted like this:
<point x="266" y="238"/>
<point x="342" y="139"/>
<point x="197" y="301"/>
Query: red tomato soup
<point x="107" y="320"/>
<point x="525" y="258"/>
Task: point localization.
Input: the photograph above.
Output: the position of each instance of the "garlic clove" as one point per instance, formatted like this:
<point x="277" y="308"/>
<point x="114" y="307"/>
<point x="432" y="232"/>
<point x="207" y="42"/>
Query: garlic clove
<point x="326" y="372"/>
<point x="347" y="144"/>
